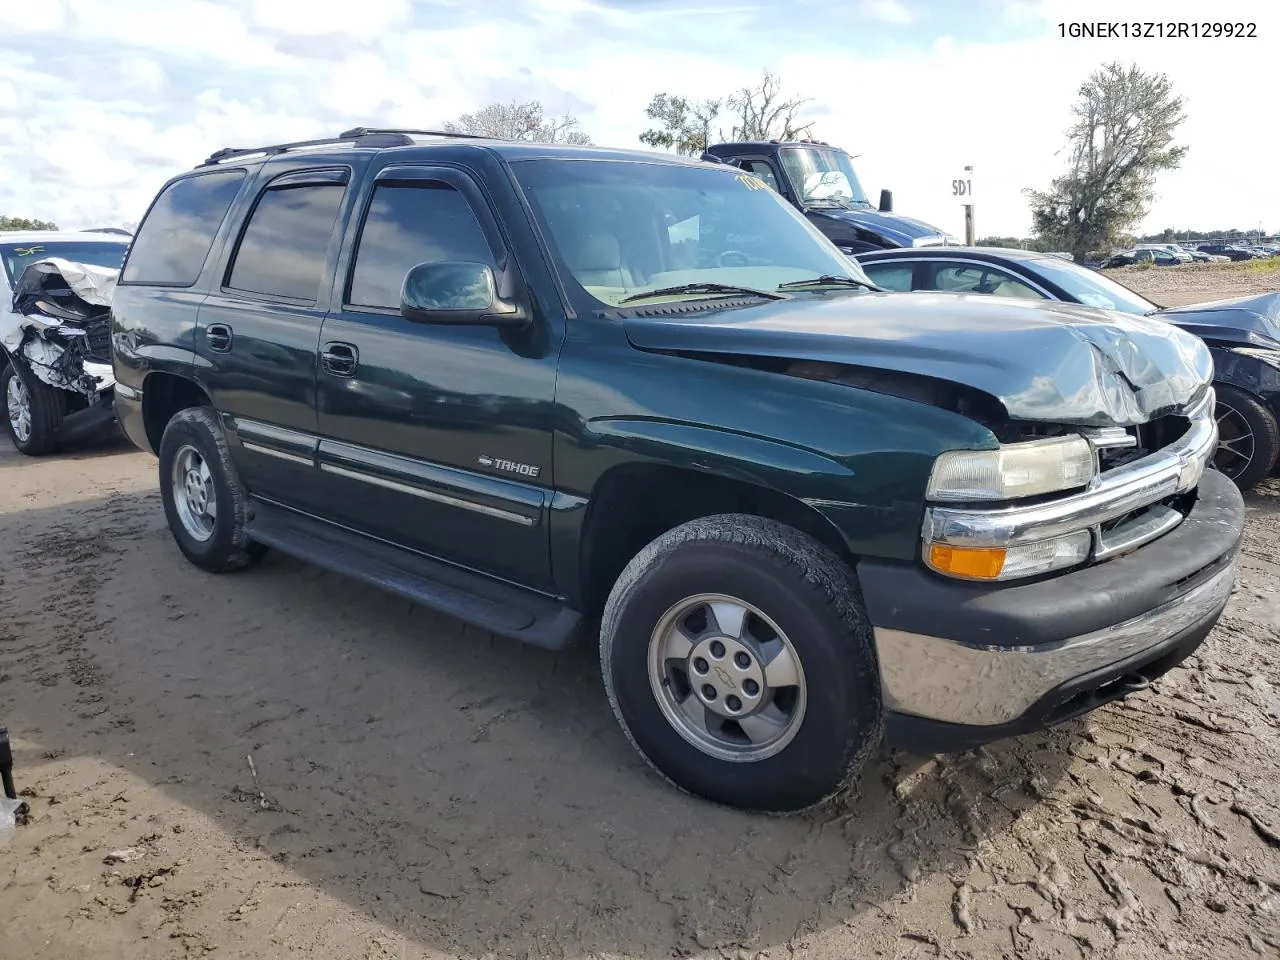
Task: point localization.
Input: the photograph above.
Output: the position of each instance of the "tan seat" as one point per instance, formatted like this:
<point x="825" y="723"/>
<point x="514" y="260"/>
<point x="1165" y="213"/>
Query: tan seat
<point x="595" y="258"/>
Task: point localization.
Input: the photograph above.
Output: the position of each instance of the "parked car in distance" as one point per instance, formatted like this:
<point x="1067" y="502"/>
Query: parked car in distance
<point x="533" y="387"/>
<point x="1170" y="248"/>
<point x="1243" y="333"/>
<point x="1230" y="251"/>
<point x="55" y="365"/>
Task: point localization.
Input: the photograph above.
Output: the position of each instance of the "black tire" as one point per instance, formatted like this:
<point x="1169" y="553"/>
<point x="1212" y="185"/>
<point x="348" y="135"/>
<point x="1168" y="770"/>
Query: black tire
<point x="812" y="597"/>
<point x="47" y="405"/>
<point x="227" y="547"/>
<point x="1237" y="410"/>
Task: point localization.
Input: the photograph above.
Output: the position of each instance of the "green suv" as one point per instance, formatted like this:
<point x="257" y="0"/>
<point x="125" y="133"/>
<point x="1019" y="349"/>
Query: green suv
<point x="555" y="391"/>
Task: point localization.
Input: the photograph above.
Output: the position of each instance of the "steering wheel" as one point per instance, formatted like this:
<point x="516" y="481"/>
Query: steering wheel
<point x="721" y="259"/>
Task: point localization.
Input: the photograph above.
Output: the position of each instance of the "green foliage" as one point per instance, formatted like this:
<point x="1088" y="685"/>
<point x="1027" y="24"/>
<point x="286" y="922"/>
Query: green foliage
<point x="1017" y="243"/>
<point x="1122" y="137"/>
<point x="26" y="223"/>
<point x="685" y="125"/>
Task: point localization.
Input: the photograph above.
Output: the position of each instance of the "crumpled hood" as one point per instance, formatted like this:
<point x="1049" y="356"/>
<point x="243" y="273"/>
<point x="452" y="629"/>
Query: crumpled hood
<point x="54" y="291"/>
<point x="1043" y="360"/>
<point x="1253" y="319"/>
<point x="88" y="282"/>
<point x="901" y="230"/>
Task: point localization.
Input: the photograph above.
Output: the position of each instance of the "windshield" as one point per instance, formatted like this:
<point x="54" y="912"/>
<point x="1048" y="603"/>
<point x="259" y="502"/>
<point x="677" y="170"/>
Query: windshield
<point x="1091" y="287"/>
<point x="619" y="228"/>
<point x="18" y="256"/>
<point x="823" y="173"/>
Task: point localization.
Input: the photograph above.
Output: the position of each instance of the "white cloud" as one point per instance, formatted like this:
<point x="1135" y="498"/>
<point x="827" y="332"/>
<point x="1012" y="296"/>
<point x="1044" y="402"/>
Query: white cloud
<point x="888" y="11"/>
<point x="914" y="111"/>
<point x="315" y="18"/>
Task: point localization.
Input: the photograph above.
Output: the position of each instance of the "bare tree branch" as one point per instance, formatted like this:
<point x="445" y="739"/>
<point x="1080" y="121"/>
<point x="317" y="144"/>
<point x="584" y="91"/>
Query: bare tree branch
<point x="518" y="121"/>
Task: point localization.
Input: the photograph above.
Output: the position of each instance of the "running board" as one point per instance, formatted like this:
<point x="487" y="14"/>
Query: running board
<point x="492" y="605"/>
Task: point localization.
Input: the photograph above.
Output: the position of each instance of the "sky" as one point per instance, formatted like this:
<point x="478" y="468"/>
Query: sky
<point x="102" y="100"/>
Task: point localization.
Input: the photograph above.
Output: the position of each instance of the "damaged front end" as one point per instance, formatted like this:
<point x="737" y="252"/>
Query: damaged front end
<point x="61" y="326"/>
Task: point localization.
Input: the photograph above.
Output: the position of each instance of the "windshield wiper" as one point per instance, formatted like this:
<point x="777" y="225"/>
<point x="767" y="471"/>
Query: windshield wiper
<point x="826" y="280"/>
<point x="704" y="287"/>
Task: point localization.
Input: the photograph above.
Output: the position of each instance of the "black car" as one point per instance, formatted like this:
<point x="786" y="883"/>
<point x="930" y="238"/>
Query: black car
<point x="1228" y="250"/>
<point x="1160" y="258"/>
<point x="1243" y="333"/>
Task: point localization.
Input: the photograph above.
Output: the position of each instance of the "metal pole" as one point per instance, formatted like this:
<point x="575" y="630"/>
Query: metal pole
<point x="968" y="218"/>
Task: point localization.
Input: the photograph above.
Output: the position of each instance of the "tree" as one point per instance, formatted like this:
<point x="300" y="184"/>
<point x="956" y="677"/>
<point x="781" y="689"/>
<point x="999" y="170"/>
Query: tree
<point x="763" y="114"/>
<point x="26" y="223"/>
<point x="518" y="121"/>
<point x="1122" y="137"/>
<point x="759" y="113"/>
<point x="686" y="124"/>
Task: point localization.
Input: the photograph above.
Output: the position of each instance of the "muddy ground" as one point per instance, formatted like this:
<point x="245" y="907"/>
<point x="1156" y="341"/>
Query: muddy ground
<point x="424" y="790"/>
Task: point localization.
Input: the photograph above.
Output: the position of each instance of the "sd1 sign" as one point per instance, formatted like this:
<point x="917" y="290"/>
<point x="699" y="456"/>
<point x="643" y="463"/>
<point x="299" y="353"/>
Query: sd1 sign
<point x="963" y="190"/>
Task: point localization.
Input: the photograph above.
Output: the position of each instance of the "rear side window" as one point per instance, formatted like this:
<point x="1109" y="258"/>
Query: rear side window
<point x="428" y="221"/>
<point x="282" y="251"/>
<point x="174" y="239"/>
<point x="891" y="276"/>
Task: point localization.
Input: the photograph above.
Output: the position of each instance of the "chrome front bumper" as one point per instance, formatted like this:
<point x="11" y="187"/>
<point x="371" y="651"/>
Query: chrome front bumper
<point x="975" y="685"/>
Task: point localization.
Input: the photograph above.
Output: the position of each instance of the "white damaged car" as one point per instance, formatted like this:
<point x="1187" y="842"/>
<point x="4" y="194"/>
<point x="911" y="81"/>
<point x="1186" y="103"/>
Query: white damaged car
<point x="55" y="327"/>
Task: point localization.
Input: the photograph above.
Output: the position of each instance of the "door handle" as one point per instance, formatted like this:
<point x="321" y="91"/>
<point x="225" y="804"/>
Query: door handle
<point x="340" y="359"/>
<point x="219" y="337"/>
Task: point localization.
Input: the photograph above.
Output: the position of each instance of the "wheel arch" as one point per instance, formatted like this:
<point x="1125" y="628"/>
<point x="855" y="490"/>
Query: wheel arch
<point x="634" y="503"/>
<point x="163" y="395"/>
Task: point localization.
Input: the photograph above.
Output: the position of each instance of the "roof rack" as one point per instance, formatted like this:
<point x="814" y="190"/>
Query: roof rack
<point x="356" y="136"/>
<point x="372" y="131"/>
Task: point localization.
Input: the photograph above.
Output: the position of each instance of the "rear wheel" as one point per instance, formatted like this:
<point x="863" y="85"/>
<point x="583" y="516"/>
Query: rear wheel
<point x="738" y="658"/>
<point x="204" y="501"/>
<point x="34" y="410"/>
<point x="1248" y="436"/>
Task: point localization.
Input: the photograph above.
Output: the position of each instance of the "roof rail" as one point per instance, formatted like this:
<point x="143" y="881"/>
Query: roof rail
<point x="373" y="131"/>
<point x="356" y="136"/>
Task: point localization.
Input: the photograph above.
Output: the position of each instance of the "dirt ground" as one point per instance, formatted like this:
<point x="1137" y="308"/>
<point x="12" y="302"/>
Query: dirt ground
<point x="426" y="791"/>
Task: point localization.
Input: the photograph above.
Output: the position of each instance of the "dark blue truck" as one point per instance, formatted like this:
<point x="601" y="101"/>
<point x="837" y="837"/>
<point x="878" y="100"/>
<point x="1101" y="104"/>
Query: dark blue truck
<point x="820" y="180"/>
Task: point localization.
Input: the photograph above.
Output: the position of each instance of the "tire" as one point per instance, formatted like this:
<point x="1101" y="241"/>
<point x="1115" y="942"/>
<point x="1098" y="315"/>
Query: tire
<point x="814" y="603"/>
<point x="45" y="408"/>
<point x="193" y="444"/>
<point x="1245" y="425"/>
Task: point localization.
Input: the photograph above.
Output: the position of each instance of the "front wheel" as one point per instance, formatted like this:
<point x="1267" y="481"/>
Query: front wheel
<point x="34" y="410"/>
<point x="1248" y="436"/>
<point x="738" y="658"/>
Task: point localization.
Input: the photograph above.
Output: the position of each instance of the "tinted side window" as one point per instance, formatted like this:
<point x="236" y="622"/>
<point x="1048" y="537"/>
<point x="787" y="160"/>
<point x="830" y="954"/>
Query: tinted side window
<point x="891" y="276"/>
<point x="174" y="239"/>
<point x="282" y="251"/>
<point x="427" y="221"/>
<point x="759" y="168"/>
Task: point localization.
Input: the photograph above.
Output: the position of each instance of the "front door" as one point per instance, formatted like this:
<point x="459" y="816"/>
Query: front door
<point x="435" y="437"/>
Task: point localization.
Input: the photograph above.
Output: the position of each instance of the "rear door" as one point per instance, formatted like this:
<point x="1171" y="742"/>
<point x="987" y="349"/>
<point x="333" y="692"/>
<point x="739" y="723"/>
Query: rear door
<point x="257" y="332"/>
<point x="435" y="437"/>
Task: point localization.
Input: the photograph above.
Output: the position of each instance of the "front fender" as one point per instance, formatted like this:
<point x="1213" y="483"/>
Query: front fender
<point x="872" y="498"/>
<point x="1247" y="372"/>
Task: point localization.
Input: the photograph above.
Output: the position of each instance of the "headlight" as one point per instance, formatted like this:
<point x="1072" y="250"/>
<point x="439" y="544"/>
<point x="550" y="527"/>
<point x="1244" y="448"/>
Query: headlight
<point x="1012" y="471"/>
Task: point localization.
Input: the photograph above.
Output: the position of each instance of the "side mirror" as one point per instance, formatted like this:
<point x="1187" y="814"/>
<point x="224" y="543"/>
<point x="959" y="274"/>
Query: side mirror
<point x="457" y="292"/>
<point x="886" y="201"/>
